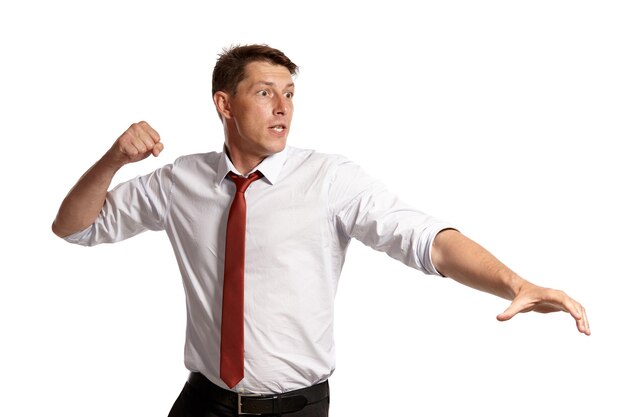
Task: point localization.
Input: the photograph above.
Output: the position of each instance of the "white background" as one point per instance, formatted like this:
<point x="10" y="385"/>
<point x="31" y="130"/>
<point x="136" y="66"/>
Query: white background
<point x="501" y="117"/>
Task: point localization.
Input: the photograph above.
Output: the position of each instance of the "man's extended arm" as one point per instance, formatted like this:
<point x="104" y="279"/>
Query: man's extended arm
<point x="460" y="258"/>
<point x="85" y="200"/>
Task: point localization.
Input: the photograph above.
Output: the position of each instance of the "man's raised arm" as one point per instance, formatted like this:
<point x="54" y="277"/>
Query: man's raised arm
<point x="85" y="200"/>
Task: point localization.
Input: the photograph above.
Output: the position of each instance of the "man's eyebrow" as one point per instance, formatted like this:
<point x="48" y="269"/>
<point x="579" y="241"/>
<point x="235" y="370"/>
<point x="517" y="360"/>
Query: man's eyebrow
<point x="271" y="84"/>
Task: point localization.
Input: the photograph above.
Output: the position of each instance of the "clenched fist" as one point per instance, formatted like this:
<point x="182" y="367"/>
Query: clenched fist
<point x="137" y="143"/>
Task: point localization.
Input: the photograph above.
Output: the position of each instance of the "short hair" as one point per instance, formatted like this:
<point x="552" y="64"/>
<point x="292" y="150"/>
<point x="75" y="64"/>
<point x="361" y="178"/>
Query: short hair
<point x="230" y="68"/>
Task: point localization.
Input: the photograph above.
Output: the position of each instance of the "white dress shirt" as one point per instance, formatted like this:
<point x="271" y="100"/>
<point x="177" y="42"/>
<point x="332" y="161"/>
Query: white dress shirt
<point x="301" y="217"/>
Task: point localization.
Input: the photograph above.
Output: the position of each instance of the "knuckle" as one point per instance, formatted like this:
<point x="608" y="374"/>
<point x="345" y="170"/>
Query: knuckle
<point x="559" y="294"/>
<point x="130" y="133"/>
<point x="123" y="143"/>
<point x="138" y="126"/>
<point x="130" y="151"/>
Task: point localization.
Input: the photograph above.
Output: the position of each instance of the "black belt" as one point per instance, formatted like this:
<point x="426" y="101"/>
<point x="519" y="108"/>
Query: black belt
<point x="252" y="404"/>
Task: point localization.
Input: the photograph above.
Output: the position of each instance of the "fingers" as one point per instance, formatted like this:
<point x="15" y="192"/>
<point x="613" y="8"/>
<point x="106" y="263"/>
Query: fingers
<point x="142" y="137"/>
<point x="572" y="307"/>
<point x="138" y="142"/>
<point x="153" y="133"/>
<point x="583" y="323"/>
<point x="577" y="311"/>
<point x="580" y="315"/>
<point x="157" y="149"/>
<point x="544" y="300"/>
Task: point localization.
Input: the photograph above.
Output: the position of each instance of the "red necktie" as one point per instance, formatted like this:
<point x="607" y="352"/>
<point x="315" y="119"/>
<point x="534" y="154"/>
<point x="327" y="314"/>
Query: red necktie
<point x="231" y="352"/>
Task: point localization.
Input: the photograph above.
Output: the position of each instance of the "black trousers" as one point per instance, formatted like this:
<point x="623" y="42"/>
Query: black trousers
<point x="192" y="403"/>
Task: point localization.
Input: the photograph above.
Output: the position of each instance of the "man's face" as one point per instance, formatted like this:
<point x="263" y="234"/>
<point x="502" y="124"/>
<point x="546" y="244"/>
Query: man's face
<point x="259" y="114"/>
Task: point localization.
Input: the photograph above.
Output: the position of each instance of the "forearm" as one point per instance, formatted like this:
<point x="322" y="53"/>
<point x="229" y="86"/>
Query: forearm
<point x="458" y="257"/>
<point x="82" y="204"/>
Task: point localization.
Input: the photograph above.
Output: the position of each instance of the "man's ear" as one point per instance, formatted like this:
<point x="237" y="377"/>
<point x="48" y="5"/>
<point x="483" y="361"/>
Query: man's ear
<point x="222" y="104"/>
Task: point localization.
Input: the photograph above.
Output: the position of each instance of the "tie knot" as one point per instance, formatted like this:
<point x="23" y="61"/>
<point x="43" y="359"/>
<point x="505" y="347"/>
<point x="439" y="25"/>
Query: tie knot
<point x="242" y="183"/>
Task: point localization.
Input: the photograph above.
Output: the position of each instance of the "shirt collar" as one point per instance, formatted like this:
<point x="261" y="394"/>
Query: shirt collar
<point x="270" y="167"/>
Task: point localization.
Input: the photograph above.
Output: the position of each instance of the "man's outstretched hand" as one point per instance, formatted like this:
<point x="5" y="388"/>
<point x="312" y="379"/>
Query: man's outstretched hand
<point x="545" y="300"/>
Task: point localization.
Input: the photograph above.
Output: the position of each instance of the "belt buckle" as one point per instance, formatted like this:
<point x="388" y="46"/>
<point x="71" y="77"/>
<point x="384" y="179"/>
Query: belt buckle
<point x="243" y="413"/>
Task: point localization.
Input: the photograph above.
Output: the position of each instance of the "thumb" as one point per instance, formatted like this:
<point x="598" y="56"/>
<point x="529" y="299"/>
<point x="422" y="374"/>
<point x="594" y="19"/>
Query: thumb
<point x="157" y="149"/>
<point x="511" y="311"/>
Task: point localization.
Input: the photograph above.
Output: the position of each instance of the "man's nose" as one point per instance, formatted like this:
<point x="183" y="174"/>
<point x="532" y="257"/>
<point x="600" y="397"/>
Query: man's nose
<point x="280" y="106"/>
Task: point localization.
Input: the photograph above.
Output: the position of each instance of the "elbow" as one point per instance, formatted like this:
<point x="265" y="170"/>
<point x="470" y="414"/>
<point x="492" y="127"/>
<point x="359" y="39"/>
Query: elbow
<point x="57" y="230"/>
<point x="61" y="231"/>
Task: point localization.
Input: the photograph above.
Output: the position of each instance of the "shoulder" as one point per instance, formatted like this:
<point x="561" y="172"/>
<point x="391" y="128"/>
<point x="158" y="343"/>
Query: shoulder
<point x="315" y="159"/>
<point x="206" y="158"/>
<point x="196" y="164"/>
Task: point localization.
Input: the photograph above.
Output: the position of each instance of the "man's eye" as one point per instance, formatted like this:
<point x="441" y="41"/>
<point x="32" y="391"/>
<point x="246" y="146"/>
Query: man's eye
<point x="289" y="95"/>
<point x="263" y="93"/>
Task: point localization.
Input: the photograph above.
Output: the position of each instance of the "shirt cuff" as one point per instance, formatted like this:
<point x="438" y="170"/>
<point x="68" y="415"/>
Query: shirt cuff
<point x="430" y="236"/>
<point x="79" y="238"/>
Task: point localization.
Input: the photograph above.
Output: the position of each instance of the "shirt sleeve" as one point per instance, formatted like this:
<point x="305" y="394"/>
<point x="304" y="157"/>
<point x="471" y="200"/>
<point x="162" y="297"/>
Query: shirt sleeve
<point x="366" y="210"/>
<point x="129" y="209"/>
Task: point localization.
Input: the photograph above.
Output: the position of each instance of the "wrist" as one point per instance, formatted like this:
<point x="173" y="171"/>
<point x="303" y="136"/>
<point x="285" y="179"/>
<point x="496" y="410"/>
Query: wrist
<point x="111" y="161"/>
<point x="516" y="285"/>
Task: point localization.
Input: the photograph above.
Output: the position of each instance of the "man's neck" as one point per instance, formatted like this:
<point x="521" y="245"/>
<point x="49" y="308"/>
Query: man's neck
<point x="243" y="163"/>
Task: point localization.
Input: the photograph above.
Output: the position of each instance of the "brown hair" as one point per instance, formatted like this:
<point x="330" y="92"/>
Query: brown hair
<point x="231" y="65"/>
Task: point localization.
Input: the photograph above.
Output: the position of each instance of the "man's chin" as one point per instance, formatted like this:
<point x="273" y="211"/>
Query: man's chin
<point x="276" y="147"/>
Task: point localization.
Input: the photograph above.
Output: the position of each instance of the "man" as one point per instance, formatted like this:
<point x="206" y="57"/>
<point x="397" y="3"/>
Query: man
<point x="260" y="232"/>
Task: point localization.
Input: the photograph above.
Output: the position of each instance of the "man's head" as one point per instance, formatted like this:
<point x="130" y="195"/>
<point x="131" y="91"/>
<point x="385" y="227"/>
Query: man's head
<point x="252" y="91"/>
<point x="230" y="68"/>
